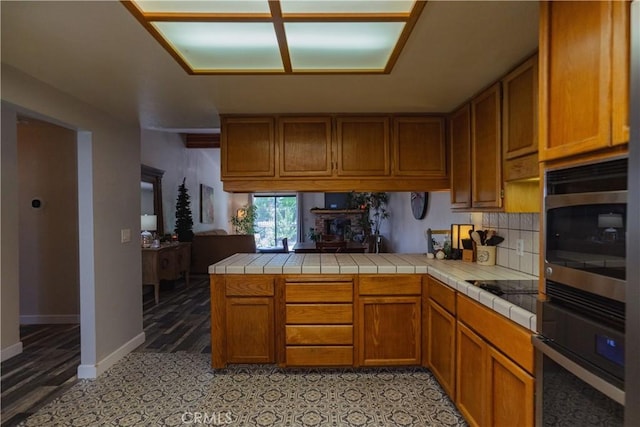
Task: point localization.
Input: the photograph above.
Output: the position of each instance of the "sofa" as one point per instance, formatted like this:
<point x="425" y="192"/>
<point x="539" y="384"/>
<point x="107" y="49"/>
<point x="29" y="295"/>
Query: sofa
<point x="212" y="246"/>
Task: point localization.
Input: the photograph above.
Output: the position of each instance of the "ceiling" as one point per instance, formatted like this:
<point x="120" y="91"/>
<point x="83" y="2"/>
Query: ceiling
<point x="98" y="52"/>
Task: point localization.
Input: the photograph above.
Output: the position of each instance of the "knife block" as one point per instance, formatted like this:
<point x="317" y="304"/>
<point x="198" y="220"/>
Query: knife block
<point x="468" y="255"/>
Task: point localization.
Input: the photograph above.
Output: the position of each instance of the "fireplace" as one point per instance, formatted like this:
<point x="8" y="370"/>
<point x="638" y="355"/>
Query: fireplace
<point x="338" y="227"/>
<point x="346" y="224"/>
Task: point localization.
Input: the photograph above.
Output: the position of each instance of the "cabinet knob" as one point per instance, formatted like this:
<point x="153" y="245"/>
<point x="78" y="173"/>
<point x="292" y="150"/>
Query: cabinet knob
<point x="548" y="271"/>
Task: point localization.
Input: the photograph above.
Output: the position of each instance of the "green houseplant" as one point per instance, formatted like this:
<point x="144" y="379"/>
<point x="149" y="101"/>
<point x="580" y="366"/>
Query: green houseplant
<point x="244" y="220"/>
<point x="374" y="212"/>
<point x="184" y="220"/>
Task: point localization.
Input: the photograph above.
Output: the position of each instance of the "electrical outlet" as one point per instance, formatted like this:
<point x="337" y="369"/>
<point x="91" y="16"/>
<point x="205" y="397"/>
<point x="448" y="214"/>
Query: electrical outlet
<point x="520" y="247"/>
<point x="125" y="235"/>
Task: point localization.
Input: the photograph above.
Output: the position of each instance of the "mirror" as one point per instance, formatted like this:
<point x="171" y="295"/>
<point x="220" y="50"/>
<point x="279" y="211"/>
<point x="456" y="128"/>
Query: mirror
<point x="151" y="194"/>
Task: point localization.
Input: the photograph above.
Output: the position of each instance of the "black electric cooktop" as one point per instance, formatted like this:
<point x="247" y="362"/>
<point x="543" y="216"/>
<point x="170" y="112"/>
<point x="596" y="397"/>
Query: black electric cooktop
<point x="522" y="293"/>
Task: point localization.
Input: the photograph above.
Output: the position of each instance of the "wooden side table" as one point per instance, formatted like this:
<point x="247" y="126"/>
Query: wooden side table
<point x="168" y="262"/>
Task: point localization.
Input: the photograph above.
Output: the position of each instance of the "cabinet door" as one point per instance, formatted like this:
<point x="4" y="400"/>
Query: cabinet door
<point x="575" y="54"/>
<point x="419" y="147"/>
<point x="183" y="257"/>
<point x="471" y="389"/>
<point x="390" y="330"/>
<point x="486" y="154"/>
<point x="512" y="392"/>
<point x="441" y="349"/>
<point x="620" y="73"/>
<point x="305" y="146"/>
<point x="362" y="145"/>
<point x="250" y="330"/>
<point x="167" y="264"/>
<point x="520" y="111"/>
<point x="460" y="141"/>
<point x="247" y="147"/>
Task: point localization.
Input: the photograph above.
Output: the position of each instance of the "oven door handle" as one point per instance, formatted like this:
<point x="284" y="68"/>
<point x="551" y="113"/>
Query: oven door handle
<point x="590" y="378"/>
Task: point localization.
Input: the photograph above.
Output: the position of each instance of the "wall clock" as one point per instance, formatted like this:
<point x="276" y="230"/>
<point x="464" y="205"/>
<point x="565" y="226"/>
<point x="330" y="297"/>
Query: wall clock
<point x="419" y="204"/>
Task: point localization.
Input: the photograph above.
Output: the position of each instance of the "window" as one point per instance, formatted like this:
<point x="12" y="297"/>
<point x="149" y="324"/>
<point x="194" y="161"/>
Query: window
<point x="276" y="218"/>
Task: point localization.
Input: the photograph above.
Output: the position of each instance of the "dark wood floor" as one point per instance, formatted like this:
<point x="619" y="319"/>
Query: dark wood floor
<point x="48" y="365"/>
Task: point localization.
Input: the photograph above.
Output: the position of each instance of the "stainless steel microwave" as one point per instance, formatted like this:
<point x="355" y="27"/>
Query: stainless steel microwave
<point x="585" y="222"/>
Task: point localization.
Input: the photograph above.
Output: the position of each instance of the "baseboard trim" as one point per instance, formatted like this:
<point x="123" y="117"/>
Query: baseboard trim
<point x="93" y="371"/>
<point x="44" y="319"/>
<point x="11" y="351"/>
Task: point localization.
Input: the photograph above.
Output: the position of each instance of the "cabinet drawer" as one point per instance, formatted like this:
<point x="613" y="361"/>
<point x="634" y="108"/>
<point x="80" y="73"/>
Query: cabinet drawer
<point x="397" y="284"/>
<point x="319" y="314"/>
<point x="319" y="334"/>
<point x="319" y="356"/>
<point x="319" y="292"/>
<point x="443" y="295"/>
<point x="243" y="285"/>
<point x="508" y="337"/>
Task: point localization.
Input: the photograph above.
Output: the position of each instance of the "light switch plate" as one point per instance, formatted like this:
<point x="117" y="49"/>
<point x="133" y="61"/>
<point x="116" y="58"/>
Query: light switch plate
<point x="125" y="235"/>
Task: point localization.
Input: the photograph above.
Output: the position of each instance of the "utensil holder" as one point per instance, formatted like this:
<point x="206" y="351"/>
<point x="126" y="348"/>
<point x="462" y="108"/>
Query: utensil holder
<point x="486" y="255"/>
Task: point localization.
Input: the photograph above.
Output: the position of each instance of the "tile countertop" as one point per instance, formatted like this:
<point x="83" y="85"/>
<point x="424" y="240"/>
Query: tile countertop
<point x="453" y="273"/>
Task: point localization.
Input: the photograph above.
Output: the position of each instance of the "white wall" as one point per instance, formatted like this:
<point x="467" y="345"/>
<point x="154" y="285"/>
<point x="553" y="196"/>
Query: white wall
<point x="9" y="266"/>
<point x="406" y="234"/>
<point x="111" y="296"/>
<point x="166" y="151"/>
<point x="401" y="231"/>
<point x="47" y="171"/>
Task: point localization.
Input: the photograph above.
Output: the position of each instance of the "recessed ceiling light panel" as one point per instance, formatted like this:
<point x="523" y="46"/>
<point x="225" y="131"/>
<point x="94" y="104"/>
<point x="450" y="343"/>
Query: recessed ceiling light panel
<point x="351" y="6"/>
<point x="224" y="45"/>
<point x="341" y="45"/>
<point x="286" y="36"/>
<point x="218" y="6"/>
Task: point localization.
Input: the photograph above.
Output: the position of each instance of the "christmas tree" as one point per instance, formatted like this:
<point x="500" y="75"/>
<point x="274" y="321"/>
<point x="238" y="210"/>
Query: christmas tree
<point x="184" y="221"/>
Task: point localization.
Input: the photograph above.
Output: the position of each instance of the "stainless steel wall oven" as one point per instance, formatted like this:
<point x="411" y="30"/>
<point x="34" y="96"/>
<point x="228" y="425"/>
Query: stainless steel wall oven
<point x="580" y="349"/>
<point x="585" y="223"/>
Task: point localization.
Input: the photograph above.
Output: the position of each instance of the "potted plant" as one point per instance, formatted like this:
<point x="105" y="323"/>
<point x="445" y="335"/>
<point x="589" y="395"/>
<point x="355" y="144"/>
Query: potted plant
<point x="313" y="235"/>
<point x="244" y="220"/>
<point x="184" y="220"/>
<point x="374" y="207"/>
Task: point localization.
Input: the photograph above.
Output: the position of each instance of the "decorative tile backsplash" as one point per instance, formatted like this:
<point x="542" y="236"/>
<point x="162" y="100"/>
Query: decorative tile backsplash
<point x="523" y="228"/>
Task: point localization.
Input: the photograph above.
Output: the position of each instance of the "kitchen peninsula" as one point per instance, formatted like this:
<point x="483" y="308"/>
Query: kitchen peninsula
<point x="360" y="310"/>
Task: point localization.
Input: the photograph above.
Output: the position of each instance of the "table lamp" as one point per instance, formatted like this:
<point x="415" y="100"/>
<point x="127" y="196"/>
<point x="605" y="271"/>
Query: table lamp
<point x="148" y="223"/>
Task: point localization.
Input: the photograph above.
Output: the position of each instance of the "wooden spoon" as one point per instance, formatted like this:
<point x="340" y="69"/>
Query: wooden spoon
<point x="476" y="238"/>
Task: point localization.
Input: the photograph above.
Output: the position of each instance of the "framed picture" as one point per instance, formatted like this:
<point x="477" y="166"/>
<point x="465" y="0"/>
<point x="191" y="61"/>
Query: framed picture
<point x="206" y="204"/>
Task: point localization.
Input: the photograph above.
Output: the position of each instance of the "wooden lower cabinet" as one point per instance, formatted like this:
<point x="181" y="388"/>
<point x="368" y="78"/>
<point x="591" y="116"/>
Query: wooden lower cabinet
<point x="390" y="330"/>
<point x="511" y="390"/>
<point x="242" y="319"/>
<point x="441" y="348"/>
<point x="491" y="390"/>
<point x="318" y="317"/>
<point x="250" y="330"/>
<point x="471" y="395"/>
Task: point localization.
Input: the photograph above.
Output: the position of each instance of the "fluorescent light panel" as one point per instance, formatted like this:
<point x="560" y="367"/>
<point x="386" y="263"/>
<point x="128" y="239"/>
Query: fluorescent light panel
<point x="226" y="37"/>
<point x="341" y="45"/>
<point x="224" y="45"/>
<point x="217" y="6"/>
<point x="346" y="6"/>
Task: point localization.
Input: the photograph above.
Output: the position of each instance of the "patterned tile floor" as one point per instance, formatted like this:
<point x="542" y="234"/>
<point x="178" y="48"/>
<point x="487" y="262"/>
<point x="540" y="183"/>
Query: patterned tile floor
<point x="168" y="381"/>
<point x="180" y="389"/>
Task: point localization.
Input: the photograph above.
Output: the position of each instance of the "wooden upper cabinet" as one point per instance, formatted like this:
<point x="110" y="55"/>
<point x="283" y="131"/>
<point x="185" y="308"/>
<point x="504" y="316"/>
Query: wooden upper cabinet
<point x="576" y="77"/>
<point x="486" y="150"/>
<point x="620" y="72"/>
<point x="248" y="147"/>
<point x="362" y="145"/>
<point x="460" y="167"/>
<point x="520" y="110"/>
<point x="305" y="146"/>
<point x="419" y="147"/>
